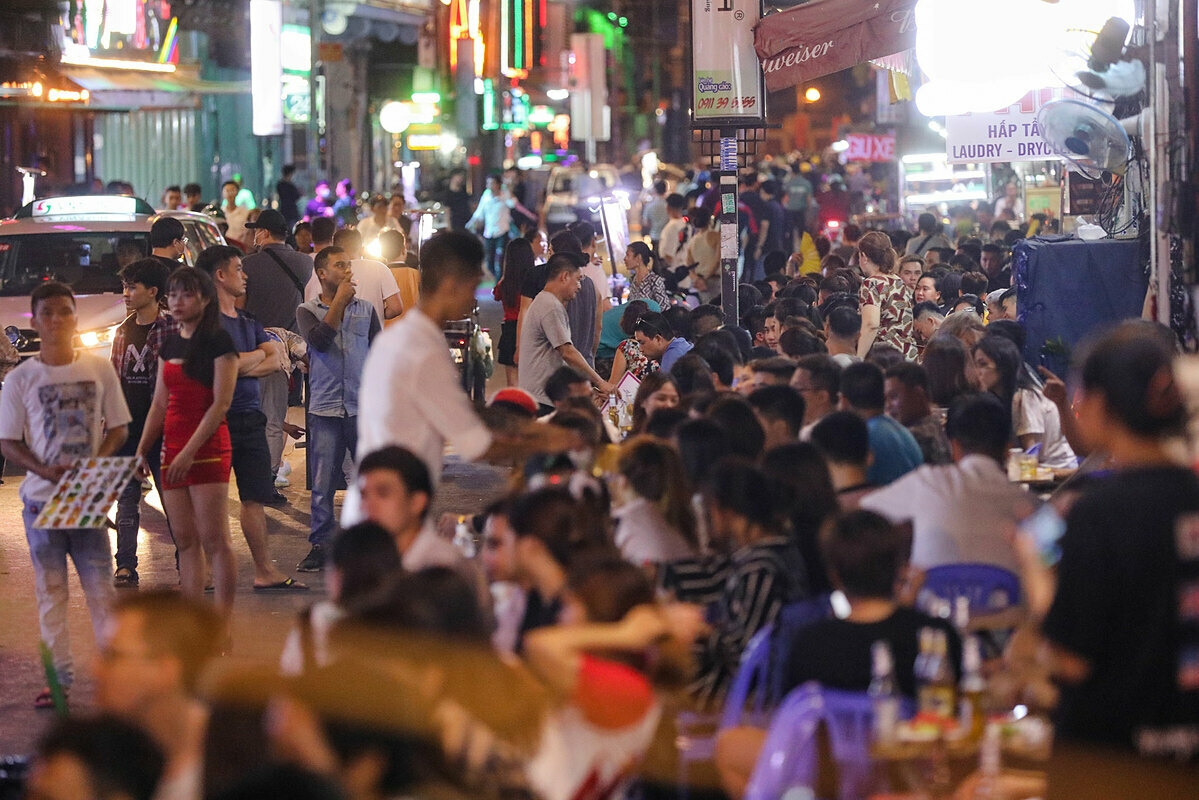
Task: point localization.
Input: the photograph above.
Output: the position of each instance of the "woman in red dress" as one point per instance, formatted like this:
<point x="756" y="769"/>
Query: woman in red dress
<point x="197" y="371"/>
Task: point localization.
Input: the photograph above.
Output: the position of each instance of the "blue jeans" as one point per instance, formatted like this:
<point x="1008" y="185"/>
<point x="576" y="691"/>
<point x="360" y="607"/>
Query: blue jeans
<point x="330" y="441"/>
<point x="90" y="551"/>
<point x="129" y="518"/>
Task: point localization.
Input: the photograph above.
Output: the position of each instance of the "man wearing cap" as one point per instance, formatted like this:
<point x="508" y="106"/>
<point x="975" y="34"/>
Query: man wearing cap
<point x="545" y="340"/>
<point x="275" y="278"/>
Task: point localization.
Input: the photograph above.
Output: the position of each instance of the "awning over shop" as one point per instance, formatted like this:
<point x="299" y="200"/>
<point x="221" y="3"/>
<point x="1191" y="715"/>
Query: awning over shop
<point x="180" y="81"/>
<point x="826" y="36"/>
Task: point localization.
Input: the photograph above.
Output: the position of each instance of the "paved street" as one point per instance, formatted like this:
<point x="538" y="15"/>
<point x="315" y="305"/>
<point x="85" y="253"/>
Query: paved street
<point x="261" y="621"/>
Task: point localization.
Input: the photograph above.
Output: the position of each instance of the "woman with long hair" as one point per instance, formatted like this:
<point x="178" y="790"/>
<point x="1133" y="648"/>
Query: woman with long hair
<point x="1036" y="420"/>
<point x="805" y="486"/>
<point x="629" y="357"/>
<point x="657" y="390"/>
<point x="197" y="372"/>
<point x="654" y="519"/>
<point x="886" y="303"/>
<point x="518" y="260"/>
<point x="948" y="364"/>
<point x="644" y="281"/>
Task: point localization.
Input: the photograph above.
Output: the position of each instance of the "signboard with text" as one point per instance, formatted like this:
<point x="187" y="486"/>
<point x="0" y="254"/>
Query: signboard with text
<point x="1010" y="134"/>
<point x="726" y="75"/>
<point x="870" y="147"/>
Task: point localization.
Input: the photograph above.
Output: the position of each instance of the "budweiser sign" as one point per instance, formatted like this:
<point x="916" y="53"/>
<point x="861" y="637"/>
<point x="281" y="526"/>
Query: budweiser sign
<point x="826" y="36"/>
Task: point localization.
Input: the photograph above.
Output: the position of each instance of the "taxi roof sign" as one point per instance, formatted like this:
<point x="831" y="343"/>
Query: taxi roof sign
<point x="85" y="205"/>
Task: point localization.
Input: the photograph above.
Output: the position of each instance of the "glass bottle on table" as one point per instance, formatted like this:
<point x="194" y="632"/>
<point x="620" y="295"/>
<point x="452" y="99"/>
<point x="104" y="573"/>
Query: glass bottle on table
<point x="938" y="695"/>
<point x="614" y="410"/>
<point x="972" y="690"/>
<point x="883" y="698"/>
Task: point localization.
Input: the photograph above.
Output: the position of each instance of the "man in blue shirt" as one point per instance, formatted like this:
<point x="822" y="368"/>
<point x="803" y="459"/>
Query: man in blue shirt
<point x="658" y="341"/>
<point x="339" y="328"/>
<point x="895" y="450"/>
<point x="258" y="355"/>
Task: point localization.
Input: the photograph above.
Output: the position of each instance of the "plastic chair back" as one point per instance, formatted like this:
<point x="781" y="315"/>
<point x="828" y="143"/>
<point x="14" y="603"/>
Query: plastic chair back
<point x="790" y="756"/>
<point x="988" y="588"/>
<point x="752" y="676"/>
<point x="792" y="618"/>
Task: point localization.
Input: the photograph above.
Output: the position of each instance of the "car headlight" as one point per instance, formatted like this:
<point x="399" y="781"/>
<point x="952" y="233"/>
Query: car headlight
<point x="104" y="336"/>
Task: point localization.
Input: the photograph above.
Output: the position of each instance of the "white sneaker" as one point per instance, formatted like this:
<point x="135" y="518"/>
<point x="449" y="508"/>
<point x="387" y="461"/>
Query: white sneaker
<point x="281" y="481"/>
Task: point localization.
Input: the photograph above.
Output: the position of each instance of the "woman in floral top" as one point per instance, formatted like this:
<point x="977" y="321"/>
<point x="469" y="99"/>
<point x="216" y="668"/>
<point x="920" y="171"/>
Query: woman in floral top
<point x="629" y="357"/>
<point x="886" y="303"/>
<point x="644" y="283"/>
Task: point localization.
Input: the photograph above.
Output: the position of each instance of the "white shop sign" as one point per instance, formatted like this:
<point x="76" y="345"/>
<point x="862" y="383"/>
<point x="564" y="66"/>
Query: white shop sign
<point x="1011" y="134"/>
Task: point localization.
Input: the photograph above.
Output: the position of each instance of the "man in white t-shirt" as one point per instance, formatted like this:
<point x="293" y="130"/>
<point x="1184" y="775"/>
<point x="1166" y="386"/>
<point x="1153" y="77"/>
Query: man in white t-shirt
<point x="373" y="281"/>
<point x="378" y="221"/>
<point x="56" y="410"/>
<point x="411" y="392"/>
<point x="235" y="216"/>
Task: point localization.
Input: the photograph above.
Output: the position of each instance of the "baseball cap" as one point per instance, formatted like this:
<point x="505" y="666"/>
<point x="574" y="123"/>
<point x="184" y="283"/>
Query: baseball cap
<point x="271" y="221"/>
<point x="515" y="397"/>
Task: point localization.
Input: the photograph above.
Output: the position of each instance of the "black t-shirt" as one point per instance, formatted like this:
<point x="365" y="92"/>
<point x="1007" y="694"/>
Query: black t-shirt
<point x="1128" y="602"/>
<point x="836" y="652"/>
<point x="534" y="281"/>
<point x="171" y="264"/>
<point x="539" y="613"/>
<point x="207" y="350"/>
<point x="138" y="372"/>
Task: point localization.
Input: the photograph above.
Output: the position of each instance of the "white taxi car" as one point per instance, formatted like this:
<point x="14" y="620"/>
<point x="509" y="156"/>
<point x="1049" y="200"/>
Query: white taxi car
<point x="83" y="242"/>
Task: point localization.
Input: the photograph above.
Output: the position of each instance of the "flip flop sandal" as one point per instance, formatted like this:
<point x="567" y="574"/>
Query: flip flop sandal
<point x="284" y="586"/>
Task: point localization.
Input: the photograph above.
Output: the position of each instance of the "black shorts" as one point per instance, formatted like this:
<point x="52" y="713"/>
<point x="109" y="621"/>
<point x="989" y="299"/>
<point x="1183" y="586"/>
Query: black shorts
<point x="251" y="456"/>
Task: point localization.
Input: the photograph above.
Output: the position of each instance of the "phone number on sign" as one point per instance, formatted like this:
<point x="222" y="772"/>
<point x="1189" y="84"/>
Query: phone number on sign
<point x="731" y="103"/>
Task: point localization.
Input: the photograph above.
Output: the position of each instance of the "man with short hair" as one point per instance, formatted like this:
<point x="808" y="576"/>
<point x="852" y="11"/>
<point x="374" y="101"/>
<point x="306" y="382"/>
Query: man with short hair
<point x="411" y="392"/>
<point x="134" y="355"/>
<point x="586" y="310"/>
<point x="375" y="283"/>
<point x="193" y="196"/>
<point x="379" y="220"/>
<point x="780" y="411"/>
<point x="94" y="758"/>
<point x="762" y="372"/>
<point x="56" y="410"/>
<point x="844" y="439"/>
<point x="910" y="270"/>
<point x="672" y="243"/>
<point x="491" y="219"/>
<point x="926" y="320"/>
<point x="565" y="384"/>
<point x="961" y="512"/>
<point x="546" y="342"/>
<point x="339" y="328"/>
<point x="289" y="195"/>
<point x="817" y="378"/>
<point x="397" y="493"/>
<point x="655" y="215"/>
<point x="152" y="653"/>
<point x="658" y="341"/>
<point x="323" y="231"/>
<point x="235" y="216"/>
<point x="168" y="242"/>
<point x="995" y="267"/>
<point x="172" y="198"/>
<point x="275" y="279"/>
<point x="706" y="318"/>
<point x="895" y="450"/>
<point x="907" y="397"/>
<point x="928" y="236"/>
<point x="843" y="328"/>
<point x="258" y="356"/>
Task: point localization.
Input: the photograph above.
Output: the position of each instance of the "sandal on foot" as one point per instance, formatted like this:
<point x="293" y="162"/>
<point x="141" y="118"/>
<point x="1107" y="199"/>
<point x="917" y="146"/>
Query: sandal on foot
<point x="287" y="585"/>
<point x="45" y="698"/>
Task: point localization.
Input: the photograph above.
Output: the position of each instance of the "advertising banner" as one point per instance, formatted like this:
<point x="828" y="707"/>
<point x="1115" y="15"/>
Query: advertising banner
<point x="1010" y="134"/>
<point x="870" y="147"/>
<point x="825" y="36"/>
<point x="726" y="76"/>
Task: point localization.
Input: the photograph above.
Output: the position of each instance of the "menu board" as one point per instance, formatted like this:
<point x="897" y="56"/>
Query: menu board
<point x="86" y="492"/>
